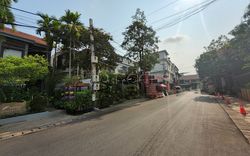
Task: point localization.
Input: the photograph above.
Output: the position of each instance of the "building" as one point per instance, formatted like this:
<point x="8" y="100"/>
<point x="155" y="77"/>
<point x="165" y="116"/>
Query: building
<point x="123" y="65"/>
<point x="165" y="71"/>
<point x="190" y="82"/>
<point x="19" y="44"/>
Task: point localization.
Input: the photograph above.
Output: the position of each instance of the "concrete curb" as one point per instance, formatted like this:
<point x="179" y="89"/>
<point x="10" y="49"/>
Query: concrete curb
<point x="86" y="116"/>
<point x="237" y="119"/>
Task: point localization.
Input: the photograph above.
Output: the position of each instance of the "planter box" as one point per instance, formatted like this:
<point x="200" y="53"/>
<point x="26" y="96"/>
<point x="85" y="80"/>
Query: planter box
<point x="12" y="108"/>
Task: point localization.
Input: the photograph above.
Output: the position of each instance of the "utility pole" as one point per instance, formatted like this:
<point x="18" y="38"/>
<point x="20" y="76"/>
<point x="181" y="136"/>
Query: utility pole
<point x="94" y="61"/>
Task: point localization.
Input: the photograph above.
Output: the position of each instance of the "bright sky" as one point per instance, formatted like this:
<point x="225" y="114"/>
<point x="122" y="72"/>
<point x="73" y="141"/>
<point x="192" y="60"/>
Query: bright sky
<point x="184" y="41"/>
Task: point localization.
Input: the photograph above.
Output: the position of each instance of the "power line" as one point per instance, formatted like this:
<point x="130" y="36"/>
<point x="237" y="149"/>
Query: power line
<point x="157" y="10"/>
<point x="185" y="16"/>
<point x="181" y="12"/>
<point x="21" y="10"/>
<point x="25" y="18"/>
<point x="21" y="25"/>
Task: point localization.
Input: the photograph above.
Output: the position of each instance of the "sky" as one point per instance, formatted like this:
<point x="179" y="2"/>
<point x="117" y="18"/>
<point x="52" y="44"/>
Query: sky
<point x="184" y="41"/>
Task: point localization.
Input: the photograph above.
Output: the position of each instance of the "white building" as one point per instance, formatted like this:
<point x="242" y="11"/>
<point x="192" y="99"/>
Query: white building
<point x="123" y="65"/>
<point x="165" y="70"/>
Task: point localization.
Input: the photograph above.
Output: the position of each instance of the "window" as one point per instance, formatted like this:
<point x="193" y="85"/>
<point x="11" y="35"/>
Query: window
<point x="12" y="52"/>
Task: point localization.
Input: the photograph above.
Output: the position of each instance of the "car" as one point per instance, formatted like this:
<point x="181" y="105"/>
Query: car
<point x="178" y="89"/>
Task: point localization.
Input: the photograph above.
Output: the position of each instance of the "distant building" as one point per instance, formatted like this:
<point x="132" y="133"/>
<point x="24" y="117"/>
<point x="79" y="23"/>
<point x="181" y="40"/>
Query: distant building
<point x="190" y="82"/>
<point x="165" y="71"/>
<point x="19" y="44"/>
<point x="123" y="65"/>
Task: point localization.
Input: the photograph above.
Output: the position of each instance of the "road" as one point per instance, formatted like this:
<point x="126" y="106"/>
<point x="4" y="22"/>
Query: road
<point x="189" y="124"/>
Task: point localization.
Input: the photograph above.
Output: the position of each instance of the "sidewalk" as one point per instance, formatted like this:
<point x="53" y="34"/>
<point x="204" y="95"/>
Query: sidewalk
<point x="26" y="124"/>
<point x="231" y="106"/>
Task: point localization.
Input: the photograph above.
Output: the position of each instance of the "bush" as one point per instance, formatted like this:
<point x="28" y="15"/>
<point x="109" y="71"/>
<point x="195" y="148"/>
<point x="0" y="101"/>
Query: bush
<point x="131" y="91"/>
<point x="2" y="96"/>
<point x="80" y="104"/>
<point x="38" y="103"/>
<point x="111" y="89"/>
<point x="104" y="100"/>
<point x="13" y="94"/>
<point x="59" y="104"/>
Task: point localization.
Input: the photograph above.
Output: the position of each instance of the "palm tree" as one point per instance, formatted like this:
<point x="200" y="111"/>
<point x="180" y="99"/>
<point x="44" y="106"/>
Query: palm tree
<point x="72" y="28"/>
<point x="57" y="35"/>
<point x="45" y="26"/>
<point x="6" y="15"/>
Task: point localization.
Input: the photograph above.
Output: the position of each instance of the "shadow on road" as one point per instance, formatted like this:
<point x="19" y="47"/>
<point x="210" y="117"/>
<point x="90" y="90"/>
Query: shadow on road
<point x="205" y="99"/>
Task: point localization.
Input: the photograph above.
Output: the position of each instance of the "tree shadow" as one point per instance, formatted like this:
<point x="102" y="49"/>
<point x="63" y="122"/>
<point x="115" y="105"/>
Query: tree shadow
<point x="205" y="99"/>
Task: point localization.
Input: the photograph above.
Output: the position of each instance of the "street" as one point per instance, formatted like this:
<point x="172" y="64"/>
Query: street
<point x="188" y="124"/>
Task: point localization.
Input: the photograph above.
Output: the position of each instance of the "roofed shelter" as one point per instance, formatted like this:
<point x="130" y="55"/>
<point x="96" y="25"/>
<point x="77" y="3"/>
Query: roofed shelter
<point x="19" y="44"/>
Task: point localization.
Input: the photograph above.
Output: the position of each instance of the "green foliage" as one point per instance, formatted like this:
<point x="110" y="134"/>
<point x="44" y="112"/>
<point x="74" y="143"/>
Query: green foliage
<point x="71" y="81"/>
<point x="3" y="97"/>
<point x="140" y="41"/>
<point x="16" y="71"/>
<point x="6" y="15"/>
<point x="131" y="91"/>
<point x="13" y="94"/>
<point x="110" y="90"/>
<point x="38" y="103"/>
<point x="227" y="58"/>
<point x="81" y="103"/>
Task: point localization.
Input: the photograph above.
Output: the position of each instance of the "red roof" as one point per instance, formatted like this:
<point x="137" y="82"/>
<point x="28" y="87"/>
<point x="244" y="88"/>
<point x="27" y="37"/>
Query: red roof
<point x="22" y="35"/>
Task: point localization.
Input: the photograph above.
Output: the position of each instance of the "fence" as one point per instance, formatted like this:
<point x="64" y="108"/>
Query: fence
<point x="245" y="94"/>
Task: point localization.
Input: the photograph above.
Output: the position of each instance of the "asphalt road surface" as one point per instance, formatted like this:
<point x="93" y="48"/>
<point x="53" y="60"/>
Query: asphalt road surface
<point x="189" y="124"/>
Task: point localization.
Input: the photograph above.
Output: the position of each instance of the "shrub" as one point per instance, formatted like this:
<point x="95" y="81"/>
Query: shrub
<point x="80" y="104"/>
<point x="2" y="96"/>
<point x="111" y="89"/>
<point x="71" y="107"/>
<point x="38" y="103"/>
<point x="13" y="94"/>
<point x="104" y="100"/>
<point x="131" y="91"/>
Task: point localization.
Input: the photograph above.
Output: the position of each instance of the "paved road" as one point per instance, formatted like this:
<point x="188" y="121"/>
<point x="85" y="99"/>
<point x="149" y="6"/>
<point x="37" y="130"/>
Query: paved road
<point x="186" y="125"/>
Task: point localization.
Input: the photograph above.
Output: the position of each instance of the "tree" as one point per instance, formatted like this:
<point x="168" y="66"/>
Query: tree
<point x="105" y="52"/>
<point x="57" y="35"/>
<point x="6" y="15"/>
<point x="17" y="71"/>
<point x="45" y="26"/>
<point x="140" y="41"/>
<point x="72" y="28"/>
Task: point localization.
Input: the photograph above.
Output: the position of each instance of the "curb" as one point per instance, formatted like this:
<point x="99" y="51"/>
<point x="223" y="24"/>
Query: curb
<point x="238" y="121"/>
<point x="84" y="117"/>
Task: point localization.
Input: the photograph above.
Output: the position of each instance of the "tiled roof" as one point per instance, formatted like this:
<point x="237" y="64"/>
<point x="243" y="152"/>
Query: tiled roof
<point x="22" y="35"/>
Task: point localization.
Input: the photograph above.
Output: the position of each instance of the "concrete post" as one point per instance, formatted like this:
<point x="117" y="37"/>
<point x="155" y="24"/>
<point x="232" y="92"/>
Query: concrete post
<point x="26" y="49"/>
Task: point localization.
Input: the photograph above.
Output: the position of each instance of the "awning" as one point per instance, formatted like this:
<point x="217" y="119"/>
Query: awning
<point x="163" y="86"/>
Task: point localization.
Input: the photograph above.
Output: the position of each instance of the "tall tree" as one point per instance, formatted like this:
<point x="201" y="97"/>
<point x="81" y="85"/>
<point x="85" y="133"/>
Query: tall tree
<point x="57" y="35"/>
<point x="105" y="52"/>
<point x="140" y="41"/>
<point x="72" y="29"/>
<point x="45" y="26"/>
<point x="6" y="15"/>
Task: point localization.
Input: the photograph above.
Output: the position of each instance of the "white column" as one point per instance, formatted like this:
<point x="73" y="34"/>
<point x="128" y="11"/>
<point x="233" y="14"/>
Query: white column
<point x="26" y="49"/>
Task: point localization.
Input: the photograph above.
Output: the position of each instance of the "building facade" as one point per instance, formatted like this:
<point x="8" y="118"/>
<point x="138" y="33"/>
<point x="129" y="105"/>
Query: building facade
<point x="123" y="65"/>
<point x="19" y="44"/>
<point x="190" y="82"/>
<point x="165" y="71"/>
